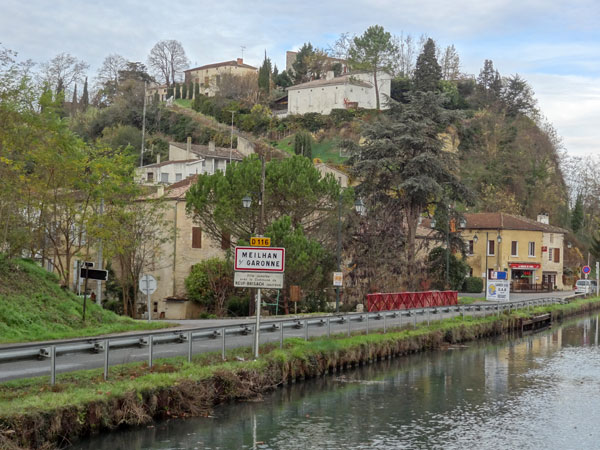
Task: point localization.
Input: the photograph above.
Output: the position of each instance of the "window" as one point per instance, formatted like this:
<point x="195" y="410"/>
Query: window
<point x="532" y="249"/>
<point x="514" y="248"/>
<point x="471" y="245"/>
<point x="196" y="237"/>
<point x="178" y="177"/>
<point x="552" y="238"/>
<point x="164" y="177"/>
<point x="150" y="176"/>
<point x="550" y="253"/>
<point x="491" y="248"/>
<point x="557" y="255"/>
<point x="225" y="241"/>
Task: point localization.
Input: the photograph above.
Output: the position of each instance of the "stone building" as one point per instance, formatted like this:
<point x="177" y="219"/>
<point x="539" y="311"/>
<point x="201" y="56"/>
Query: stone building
<point x="208" y="76"/>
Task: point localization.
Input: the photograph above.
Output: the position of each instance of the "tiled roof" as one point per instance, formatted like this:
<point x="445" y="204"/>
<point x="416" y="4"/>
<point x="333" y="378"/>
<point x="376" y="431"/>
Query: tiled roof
<point x="503" y="221"/>
<point x="202" y="150"/>
<point x="177" y="190"/>
<point x="344" y="79"/>
<point x="222" y="64"/>
<point x="166" y="163"/>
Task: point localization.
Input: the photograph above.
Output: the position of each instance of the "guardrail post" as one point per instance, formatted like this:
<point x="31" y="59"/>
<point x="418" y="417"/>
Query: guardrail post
<point x="329" y="327"/>
<point x="349" y="325"/>
<point x="150" y="342"/>
<point x="223" y="343"/>
<point x="400" y="319"/>
<point x="281" y="335"/>
<point x="306" y="330"/>
<point x="462" y="312"/>
<point x="384" y="324"/>
<point x="53" y="365"/>
<point x="428" y="316"/>
<point x="415" y="320"/>
<point x="190" y="338"/>
<point x="498" y="309"/>
<point x="367" y="323"/>
<point x="106" y="351"/>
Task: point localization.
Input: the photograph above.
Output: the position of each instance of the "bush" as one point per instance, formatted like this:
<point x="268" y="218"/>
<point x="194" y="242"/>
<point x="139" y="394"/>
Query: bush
<point x="339" y="115"/>
<point x="314" y="302"/>
<point x="238" y="306"/>
<point x="473" y="285"/>
<point x="312" y="121"/>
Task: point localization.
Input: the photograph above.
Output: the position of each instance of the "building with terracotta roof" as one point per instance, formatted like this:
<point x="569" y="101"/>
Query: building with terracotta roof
<point x="530" y="251"/>
<point x="353" y="90"/>
<point x="208" y="76"/>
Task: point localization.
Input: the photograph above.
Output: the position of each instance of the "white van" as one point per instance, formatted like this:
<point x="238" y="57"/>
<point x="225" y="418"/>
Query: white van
<point x="585" y="287"/>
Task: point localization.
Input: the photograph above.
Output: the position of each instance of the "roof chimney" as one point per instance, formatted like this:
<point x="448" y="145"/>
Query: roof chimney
<point x="158" y="158"/>
<point x="240" y="61"/>
<point x="211" y="146"/>
<point x="188" y="147"/>
<point x="543" y="218"/>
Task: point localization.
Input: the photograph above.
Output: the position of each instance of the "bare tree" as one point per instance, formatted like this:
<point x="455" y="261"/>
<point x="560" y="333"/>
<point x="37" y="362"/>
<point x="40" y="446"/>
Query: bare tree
<point x="407" y="55"/>
<point x="243" y="88"/>
<point x="111" y="66"/>
<point x="450" y="64"/>
<point x="168" y="59"/>
<point x="63" y="70"/>
<point x="341" y="47"/>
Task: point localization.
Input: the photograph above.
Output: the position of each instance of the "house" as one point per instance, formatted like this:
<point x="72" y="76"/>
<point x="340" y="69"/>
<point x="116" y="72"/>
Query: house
<point x="213" y="158"/>
<point x="530" y="251"/>
<point x="153" y="89"/>
<point x="187" y="247"/>
<point x="355" y="90"/>
<point x="340" y="176"/>
<point x="168" y="172"/>
<point x="208" y="76"/>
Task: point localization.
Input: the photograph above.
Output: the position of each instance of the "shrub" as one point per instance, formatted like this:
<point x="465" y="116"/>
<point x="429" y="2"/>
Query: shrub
<point x="339" y="115"/>
<point x="312" y="121"/>
<point x="238" y="306"/>
<point x="473" y="285"/>
<point x="314" y="302"/>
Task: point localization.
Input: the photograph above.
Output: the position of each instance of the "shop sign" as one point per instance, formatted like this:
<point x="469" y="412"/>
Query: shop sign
<point x="524" y="266"/>
<point x="544" y="249"/>
<point x="498" y="290"/>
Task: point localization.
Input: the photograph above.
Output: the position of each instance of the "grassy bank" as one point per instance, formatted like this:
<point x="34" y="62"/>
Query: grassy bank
<point x="33" y="414"/>
<point x="33" y="307"/>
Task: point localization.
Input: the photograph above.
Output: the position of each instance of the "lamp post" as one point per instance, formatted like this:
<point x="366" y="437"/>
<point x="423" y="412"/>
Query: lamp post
<point x="231" y="137"/>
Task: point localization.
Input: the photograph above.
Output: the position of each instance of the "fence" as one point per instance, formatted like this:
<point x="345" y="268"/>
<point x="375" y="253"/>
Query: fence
<point x="408" y="300"/>
<point x="101" y="348"/>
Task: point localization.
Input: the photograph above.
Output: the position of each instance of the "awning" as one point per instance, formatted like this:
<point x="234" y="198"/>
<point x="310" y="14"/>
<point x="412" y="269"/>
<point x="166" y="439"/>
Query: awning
<point x="524" y="265"/>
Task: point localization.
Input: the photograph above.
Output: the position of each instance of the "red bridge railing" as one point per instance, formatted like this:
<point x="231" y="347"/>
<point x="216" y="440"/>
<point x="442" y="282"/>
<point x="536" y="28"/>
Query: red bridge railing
<point x="408" y="300"/>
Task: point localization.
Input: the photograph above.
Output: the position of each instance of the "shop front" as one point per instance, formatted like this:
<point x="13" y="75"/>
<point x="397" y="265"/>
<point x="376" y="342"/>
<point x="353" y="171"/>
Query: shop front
<point x="524" y="276"/>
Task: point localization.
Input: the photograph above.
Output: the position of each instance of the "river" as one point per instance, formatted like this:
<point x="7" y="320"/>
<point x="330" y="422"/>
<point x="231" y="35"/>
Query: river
<point x="535" y="392"/>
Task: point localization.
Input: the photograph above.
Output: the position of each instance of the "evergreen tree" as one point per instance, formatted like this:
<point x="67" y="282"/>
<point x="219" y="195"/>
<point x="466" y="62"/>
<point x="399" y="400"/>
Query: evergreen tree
<point x="374" y="51"/>
<point x="184" y="91"/>
<point x="428" y="72"/>
<point x="74" y="101"/>
<point x="303" y="144"/>
<point x="595" y="246"/>
<point x="577" y="214"/>
<point x="489" y="84"/>
<point x="301" y="65"/>
<point x="170" y="92"/>
<point x="264" y="76"/>
<point x="196" y="90"/>
<point x="85" y="96"/>
<point x="177" y="90"/>
<point x="190" y="90"/>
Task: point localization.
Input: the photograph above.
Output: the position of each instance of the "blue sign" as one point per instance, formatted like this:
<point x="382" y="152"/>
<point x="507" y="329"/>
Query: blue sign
<point x="501" y="276"/>
<point x="586" y="269"/>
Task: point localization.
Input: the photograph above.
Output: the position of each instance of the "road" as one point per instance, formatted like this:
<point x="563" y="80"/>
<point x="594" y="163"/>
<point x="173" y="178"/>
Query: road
<point x="79" y="361"/>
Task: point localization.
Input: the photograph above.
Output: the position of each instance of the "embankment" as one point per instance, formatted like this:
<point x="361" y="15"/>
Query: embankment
<point x="31" y="417"/>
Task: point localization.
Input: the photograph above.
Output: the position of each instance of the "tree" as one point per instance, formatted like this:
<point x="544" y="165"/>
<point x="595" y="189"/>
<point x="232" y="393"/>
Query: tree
<point x="210" y="283"/>
<point x="439" y="261"/>
<point x="177" y="90"/>
<point x="243" y="88"/>
<point x="300" y="66"/>
<point x="489" y="84"/>
<point x="450" y="64"/>
<point x="264" y="76"/>
<point x="293" y="187"/>
<point x="428" y="72"/>
<point x="283" y="80"/>
<point x="184" y="91"/>
<point x="62" y="71"/>
<point x="404" y="173"/>
<point x="303" y="144"/>
<point x="74" y="102"/>
<point x="168" y="60"/>
<point x="518" y="97"/>
<point x="374" y="51"/>
<point x="109" y="71"/>
<point x="577" y="214"/>
<point x="85" y="97"/>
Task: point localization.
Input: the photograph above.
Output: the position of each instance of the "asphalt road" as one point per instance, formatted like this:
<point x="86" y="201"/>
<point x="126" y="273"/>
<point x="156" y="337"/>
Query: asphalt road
<point x="82" y="360"/>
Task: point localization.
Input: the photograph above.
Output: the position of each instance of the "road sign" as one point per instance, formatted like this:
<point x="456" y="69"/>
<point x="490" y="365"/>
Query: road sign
<point x="258" y="280"/>
<point x="497" y="290"/>
<point x="87" y="264"/>
<point x="586" y="269"/>
<point x="259" y="259"/>
<point x="338" y="279"/>
<point x="93" y="274"/>
<point x="147" y="284"/>
<point x="260" y="242"/>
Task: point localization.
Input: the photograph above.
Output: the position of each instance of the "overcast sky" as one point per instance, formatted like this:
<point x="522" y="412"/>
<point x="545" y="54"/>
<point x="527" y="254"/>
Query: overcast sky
<point x="555" y="45"/>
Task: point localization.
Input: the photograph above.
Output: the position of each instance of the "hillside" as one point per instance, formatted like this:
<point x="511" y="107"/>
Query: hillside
<point x="33" y="307"/>
<point x="327" y="150"/>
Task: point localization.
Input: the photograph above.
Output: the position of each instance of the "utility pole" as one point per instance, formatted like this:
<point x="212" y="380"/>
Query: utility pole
<point x="143" y="128"/>
<point x="231" y="139"/>
<point x="99" y="282"/>
<point x="260" y="233"/>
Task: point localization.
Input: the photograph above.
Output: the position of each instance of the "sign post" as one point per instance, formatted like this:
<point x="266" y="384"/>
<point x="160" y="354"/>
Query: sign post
<point x="497" y="290"/>
<point x="148" y="286"/>
<point x="586" y="271"/>
<point x="597" y="278"/>
<point x="259" y="267"/>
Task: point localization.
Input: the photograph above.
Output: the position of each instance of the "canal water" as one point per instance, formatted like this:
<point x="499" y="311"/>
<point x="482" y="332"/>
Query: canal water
<point x="535" y="392"/>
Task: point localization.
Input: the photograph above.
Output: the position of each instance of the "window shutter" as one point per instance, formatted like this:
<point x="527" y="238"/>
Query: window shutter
<point x="196" y="237"/>
<point x="557" y="255"/>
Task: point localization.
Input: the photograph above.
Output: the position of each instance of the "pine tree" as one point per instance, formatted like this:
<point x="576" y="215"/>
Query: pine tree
<point x="196" y="90"/>
<point x="303" y="144"/>
<point x="264" y="76"/>
<point x="184" y="91"/>
<point x="177" y="90"/>
<point x="190" y="90"/>
<point x="428" y="72"/>
<point x="85" y="97"/>
<point x="577" y="214"/>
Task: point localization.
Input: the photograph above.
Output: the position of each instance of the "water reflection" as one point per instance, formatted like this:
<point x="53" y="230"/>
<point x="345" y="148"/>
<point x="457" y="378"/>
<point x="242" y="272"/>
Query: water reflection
<point x="539" y="391"/>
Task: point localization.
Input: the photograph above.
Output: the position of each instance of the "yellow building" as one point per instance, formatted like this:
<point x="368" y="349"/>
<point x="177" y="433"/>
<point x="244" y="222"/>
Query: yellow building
<point x="530" y="251"/>
<point x="208" y="76"/>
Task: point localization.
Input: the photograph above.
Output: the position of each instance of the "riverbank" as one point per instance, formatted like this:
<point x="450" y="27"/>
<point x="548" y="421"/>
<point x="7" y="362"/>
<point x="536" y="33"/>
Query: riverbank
<point x="36" y="416"/>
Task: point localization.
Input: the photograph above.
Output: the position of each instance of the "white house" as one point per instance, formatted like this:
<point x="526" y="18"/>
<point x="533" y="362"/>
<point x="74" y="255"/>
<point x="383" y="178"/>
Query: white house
<point x="354" y="90"/>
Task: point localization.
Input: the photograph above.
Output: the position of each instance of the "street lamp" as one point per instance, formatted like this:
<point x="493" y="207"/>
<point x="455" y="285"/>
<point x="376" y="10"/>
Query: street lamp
<point x="247" y="201"/>
<point x="499" y="239"/>
<point x="475" y="239"/>
<point x="360" y="207"/>
<point x="433" y="223"/>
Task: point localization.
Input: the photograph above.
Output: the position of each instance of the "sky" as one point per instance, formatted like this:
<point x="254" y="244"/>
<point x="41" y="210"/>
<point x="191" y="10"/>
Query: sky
<point x="554" y="45"/>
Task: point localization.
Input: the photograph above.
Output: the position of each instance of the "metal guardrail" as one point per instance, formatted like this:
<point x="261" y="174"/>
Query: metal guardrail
<point x="42" y="351"/>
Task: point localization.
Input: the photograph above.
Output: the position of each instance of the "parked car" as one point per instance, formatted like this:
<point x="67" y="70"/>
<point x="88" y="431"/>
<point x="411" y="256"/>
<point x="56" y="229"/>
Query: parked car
<point x="585" y="287"/>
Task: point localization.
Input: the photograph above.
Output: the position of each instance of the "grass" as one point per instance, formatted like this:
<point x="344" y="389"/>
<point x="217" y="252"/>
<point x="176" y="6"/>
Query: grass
<point x="184" y="103"/>
<point x="327" y="150"/>
<point x="33" y="307"/>
<point x="464" y="300"/>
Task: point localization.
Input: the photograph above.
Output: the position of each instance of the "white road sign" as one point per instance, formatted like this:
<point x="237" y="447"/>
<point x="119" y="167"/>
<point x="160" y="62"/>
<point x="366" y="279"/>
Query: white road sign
<point x="498" y="290"/>
<point x="338" y="279"/>
<point x="147" y="284"/>
<point x="258" y="280"/>
<point x="259" y="259"/>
